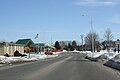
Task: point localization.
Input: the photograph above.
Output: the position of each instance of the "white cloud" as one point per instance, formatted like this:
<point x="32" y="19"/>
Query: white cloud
<point x="97" y="2"/>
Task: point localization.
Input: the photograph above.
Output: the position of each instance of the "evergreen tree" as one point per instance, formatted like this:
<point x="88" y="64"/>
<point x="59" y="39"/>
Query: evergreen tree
<point x="74" y="45"/>
<point x="57" y="45"/>
<point x="69" y="46"/>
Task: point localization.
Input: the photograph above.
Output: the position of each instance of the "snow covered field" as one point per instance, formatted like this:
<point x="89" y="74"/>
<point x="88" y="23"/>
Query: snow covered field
<point x="29" y="57"/>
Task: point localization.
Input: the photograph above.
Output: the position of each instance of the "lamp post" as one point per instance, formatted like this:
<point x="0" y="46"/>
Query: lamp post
<point x="91" y="25"/>
<point x="118" y="43"/>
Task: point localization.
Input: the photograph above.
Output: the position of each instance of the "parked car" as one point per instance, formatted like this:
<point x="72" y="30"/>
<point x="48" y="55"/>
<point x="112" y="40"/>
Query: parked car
<point x="48" y="53"/>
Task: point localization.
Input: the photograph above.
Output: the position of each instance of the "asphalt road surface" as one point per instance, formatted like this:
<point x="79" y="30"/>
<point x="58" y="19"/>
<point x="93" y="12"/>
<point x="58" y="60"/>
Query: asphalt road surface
<point x="68" y="66"/>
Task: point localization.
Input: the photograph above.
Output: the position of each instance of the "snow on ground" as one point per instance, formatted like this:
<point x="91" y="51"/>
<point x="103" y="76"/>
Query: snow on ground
<point x="7" y="60"/>
<point x="85" y="52"/>
<point x="117" y="58"/>
<point x="108" y="55"/>
<point x="64" y="51"/>
<point x="114" y="62"/>
<point x="56" y="53"/>
<point x="29" y="57"/>
<point x="75" y="51"/>
<point x="111" y="59"/>
<point x="94" y="55"/>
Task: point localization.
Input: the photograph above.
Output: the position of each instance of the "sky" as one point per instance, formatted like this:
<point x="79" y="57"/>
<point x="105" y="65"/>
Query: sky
<point x="57" y="19"/>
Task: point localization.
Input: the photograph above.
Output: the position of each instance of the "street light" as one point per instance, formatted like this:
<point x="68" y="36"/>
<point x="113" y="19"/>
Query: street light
<point x="91" y="22"/>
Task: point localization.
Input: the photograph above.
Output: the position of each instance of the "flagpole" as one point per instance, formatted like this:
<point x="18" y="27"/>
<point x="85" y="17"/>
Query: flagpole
<point x="51" y="40"/>
<point x="43" y="37"/>
<point x="36" y="46"/>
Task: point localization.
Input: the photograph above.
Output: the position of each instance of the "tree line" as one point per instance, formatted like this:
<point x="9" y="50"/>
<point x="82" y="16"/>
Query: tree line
<point x="86" y="42"/>
<point x="69" y="47"/>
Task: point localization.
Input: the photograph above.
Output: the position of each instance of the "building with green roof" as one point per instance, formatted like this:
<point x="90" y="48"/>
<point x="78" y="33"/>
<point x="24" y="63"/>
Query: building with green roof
<point x="28" y="44"/>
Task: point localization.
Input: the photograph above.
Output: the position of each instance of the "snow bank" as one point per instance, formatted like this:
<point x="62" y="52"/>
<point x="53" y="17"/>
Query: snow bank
<point x="76" y="51"/>
<point x="42" y="55"/>
<point x="64" y="51"/>
<point x="86" y="52"/>
<point x="102" y="55"/>
<point x="37" y="56"/>
<point x="4" y="59"/>
<point x="110" y="59"/>
<point x="56" y="53"/>
<point x="94" y="54"/>
<point x="114" y="62"/>
<point x="29" y="57"/>
<point x="117" y="58"/>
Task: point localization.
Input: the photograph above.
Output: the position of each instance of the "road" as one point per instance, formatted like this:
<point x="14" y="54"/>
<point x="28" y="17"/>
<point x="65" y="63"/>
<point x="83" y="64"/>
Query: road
<point x="68" y="66"/>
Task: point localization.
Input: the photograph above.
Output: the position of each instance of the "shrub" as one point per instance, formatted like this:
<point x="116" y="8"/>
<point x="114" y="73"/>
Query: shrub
<point x="16" y="53"/>
<point x="22" y="55"/>
<point x="7" y="55"/>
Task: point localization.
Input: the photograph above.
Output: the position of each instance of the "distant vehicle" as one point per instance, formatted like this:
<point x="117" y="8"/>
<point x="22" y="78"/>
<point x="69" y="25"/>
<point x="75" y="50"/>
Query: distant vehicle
<point x="48" y="53"/>
<point x="55" y="50"/>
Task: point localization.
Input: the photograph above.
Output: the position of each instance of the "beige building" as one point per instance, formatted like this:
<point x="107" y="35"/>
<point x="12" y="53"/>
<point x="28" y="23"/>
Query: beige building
<point x="10" y="48"/>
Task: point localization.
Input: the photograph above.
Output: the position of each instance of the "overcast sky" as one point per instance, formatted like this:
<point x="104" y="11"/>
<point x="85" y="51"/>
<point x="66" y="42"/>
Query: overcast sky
<point x="57" y="19"/>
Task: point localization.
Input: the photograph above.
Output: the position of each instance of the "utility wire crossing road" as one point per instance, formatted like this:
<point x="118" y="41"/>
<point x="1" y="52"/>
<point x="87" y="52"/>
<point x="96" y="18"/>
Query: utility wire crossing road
<point x="68" y="66"/>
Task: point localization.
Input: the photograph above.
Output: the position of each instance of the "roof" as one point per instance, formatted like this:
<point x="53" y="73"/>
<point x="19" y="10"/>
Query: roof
<point x="39" y="45"/>
<point x="24" y="41"/>
<point x="10" y="43"/>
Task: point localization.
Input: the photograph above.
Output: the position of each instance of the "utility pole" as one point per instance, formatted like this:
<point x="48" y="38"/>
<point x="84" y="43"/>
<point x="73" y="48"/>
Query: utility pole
<point x="82" y="41"/>
<point x="92" y="34"/>
<point x="91" y="25"/>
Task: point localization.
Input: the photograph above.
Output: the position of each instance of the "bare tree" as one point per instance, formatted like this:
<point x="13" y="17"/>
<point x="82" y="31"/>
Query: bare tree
<point x="108" y="37"/>
<point x="88" y="39"/>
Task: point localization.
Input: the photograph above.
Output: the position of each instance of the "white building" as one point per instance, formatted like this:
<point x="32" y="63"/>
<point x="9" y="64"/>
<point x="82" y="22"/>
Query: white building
<point x="10" y="48"/>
